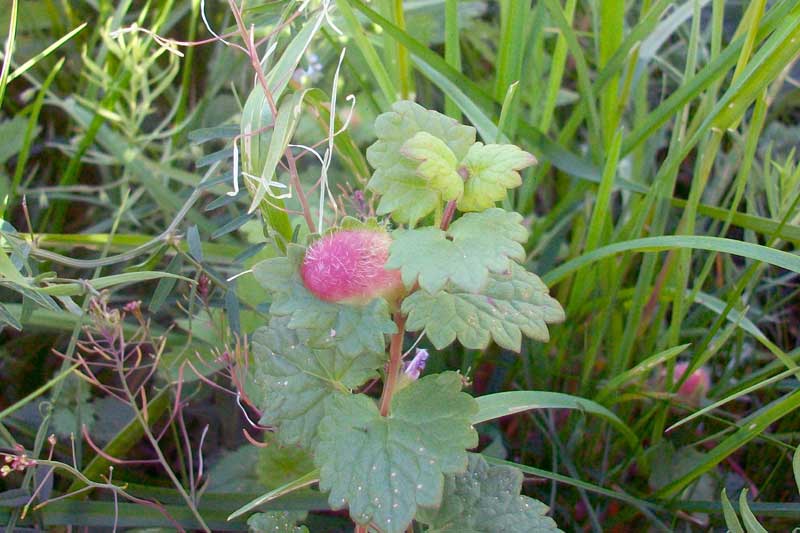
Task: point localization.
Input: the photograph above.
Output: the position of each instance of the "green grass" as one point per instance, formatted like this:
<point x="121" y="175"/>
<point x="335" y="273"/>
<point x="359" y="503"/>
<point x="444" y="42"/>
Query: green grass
<point x="663" y="214"/>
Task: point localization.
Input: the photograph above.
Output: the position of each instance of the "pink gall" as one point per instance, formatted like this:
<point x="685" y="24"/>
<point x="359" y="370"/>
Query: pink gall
<point x="347" y="266"/>
<point x="696" y="385"/>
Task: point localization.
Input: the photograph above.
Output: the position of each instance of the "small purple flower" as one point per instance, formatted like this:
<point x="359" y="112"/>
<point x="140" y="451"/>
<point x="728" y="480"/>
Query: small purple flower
<point x="415" y="367"/>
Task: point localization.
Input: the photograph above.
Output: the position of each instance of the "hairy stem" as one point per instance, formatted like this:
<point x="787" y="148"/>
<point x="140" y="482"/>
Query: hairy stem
<point x="395" y="363"/>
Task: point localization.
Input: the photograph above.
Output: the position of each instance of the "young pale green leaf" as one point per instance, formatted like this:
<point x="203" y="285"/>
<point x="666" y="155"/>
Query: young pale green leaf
<point x="485" y="499"/>
<point x="352" y="329"/>
<point x="473" y="246"/>
<point x="437" y="164"/>
<point x="277" y="522"/>
<point x="296" y="380"/>
<point x="509" y="306"/>
<point x="492" y="169"/>
<point x="405" y="194"/>
<point x="383" y="468"/>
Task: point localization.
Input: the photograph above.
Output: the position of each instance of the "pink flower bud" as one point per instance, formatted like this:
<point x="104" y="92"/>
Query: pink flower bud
<point x="347" y="266"/>
<point x="696" y="385"/>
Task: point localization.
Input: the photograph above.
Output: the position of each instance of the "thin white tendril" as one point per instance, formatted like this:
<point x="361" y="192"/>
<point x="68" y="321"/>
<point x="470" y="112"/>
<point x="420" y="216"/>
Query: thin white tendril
<point x="326" y="9"/>
<point x="324" y="190"/>
<point x="244" y="412"/>
<point x="200" y="454"/>
<point x="268" y="182"/>
<point x="208" y="26"/>
<point x="166" y="44"/>
<point x="250" y="271"/>
<point x="235" y="168"/>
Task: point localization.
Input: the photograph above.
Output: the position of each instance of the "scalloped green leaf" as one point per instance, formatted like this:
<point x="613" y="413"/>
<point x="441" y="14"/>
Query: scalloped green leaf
<point x="353" y="329"/>
<point x="511" y="305"/>
<point x="405" y="194"/>
<point x="492" y="169"/>
<point x="384" y="468"/>
<point x="486" y="499"/>
<point x="277" y="522"/>
<point x="473" y="246"/>
<point x="296" y="380"/>
<point x="437" y="164"/>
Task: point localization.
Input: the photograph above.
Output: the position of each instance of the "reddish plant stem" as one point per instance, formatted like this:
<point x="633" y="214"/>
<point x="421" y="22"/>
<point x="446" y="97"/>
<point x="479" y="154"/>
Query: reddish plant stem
<point x="361" y="529"/>
<point x="255" y="61"/>
<point x="301" y="195"/>
<point x="395" y="364"/>
<point x="447" y="217"/>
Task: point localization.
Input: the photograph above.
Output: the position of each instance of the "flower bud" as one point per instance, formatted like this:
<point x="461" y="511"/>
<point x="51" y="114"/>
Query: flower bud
<point x="347" y="266"/>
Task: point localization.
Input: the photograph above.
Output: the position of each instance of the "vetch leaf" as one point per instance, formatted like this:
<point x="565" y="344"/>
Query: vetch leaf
<point x="485" y="499"/>
<point x="473" y="246"/>
<point x="353" y="329"/>
<point x="296" y="380"/>
<point x="437" y="164"/>
<point x="491" y="170"/>
<point x="405" y="194"/>
<point x="509" y="306"/>
<point x="383" y="468"/>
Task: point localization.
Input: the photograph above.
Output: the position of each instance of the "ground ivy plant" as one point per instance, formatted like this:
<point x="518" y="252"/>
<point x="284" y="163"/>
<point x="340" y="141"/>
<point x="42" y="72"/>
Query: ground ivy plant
<point x="442" y="261"/>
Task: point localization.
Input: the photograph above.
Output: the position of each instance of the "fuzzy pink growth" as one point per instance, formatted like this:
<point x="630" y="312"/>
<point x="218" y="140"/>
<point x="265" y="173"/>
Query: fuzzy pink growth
<point x="696" y="385"/>
<point x="348" y="266"/>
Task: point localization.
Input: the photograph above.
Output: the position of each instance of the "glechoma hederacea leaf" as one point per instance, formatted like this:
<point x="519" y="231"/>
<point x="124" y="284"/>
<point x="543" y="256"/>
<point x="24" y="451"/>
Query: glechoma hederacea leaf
<point x="353" y="329"/>
<point x="486" y="499"/>
<point x="384" y="468"/>
<point x="491" y="170"/>
<point x="473" y="246"/>
<point x="437" y="164"/>
<point x="406" y="195"/>
<point x="511" y="304"/>
<point x="296" y="380"/>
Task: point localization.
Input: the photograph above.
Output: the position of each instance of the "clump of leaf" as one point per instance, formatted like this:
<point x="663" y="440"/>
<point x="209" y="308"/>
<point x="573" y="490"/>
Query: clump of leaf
<point x="461" y="279"/>
<point x="423" y="159"/>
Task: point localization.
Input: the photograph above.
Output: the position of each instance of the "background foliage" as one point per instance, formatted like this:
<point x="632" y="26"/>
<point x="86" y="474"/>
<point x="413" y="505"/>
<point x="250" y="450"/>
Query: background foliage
<point x="663" y="214"/>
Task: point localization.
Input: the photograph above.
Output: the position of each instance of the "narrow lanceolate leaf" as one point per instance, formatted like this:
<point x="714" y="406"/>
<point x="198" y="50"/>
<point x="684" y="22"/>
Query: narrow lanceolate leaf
<point x="353" y="329"/>
<point x="296" y="380"/>
<point x="405" y="194"/>
<point x="473" y="246"/>
<point x="492" y="169"/>
<point x="510" y="306"/>
<point x="384" y="468"/>
<point x="485" y="499"/>
<point x="437" y="164"/>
